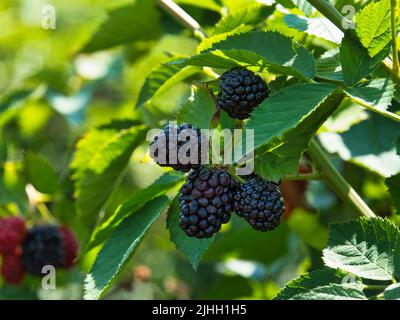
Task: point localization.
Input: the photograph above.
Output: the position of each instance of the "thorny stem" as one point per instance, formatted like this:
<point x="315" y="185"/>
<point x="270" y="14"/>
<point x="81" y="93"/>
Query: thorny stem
<point x="337" y="182"/>
<point x="330" y="12"/>
<point x="393" y="18"/>
<point x="328" y="171"/>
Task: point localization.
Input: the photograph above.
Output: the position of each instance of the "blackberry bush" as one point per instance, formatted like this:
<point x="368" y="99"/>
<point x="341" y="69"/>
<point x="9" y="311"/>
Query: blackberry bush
<point x="240" y="92"/>
<point x="162" y="145"/>
<point x="206" y="201"/>
<point x="260" y="203"/>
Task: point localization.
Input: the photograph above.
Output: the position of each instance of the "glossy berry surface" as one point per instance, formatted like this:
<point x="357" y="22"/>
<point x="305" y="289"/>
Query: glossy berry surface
<point x="260" y="203"/>
<point x="240" y="92"/>
<point x="206" y="201"/>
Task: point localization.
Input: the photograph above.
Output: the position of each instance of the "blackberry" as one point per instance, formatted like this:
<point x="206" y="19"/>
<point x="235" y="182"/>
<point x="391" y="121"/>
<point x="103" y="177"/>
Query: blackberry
<point x="42" y="246"/>
<point x="163" y="146"/>
<point x="260" y="203"/>
<point x="12" y="232"/>
<point x="240" y="92"/>
<point x="206" y="201"/>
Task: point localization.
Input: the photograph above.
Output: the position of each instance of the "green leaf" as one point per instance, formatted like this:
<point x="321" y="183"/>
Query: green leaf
<point x="252" y="14"/>
<point x="283" y="129"/>
<point x="328" y="66"/>
<point x="199" y="110"/>
<point x="120" y="247"/>
<point x="192" y="248"/>
<point x="324" y="284"/>
<point x="134" y="22"/>
<point x="101" y="157"/>
<point x="138" y="199"/>
<point x="356" y="62"/>
<point x="267" y="49"/>
<point x="40" y="174"/>
<point x="377" y="92"/>
<point x="369" y="144"/>
<point x="392" y="292"/>
<point x="373" y="26"/>
<point x="364" y="247"/>
<point x="163" y="78"/>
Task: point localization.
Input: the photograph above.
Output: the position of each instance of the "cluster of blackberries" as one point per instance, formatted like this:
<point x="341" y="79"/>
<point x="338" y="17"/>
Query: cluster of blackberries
<point x="181" y="147"/>
<point x="29" y="250"/>
<point x="210" y="195"/>
<point x="240" y="92"/>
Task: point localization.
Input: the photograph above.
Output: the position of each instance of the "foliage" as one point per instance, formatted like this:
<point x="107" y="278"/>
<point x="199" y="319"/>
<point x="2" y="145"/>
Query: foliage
<point x="74" y="123"/>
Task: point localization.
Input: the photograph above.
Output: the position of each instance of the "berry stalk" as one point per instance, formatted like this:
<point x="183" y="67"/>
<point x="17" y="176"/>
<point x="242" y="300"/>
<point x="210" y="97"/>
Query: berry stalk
<point x="336" y="181"/>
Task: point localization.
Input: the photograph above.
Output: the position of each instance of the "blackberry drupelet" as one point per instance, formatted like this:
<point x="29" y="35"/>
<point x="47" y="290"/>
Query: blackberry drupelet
<point x="240" y="92"/>
<point x="260" y="203"/>
<point x="12" y="232"/>
<point x="162" y="142"/>
<point x="206" y="201"/>
<point x="42" y="246"/>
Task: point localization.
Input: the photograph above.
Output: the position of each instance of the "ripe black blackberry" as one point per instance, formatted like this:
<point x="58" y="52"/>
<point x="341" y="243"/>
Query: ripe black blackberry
<point x="260" y="203"/>
<point x="206" y="201"/>
<point x="43" y="245"/>
<point x="163" y="146"/>
<point x="240" y="91"/>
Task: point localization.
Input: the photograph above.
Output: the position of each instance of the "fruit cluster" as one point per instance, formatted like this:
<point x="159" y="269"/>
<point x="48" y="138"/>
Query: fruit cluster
<point x="26" y="250"/>
<point x="210" y="195"/>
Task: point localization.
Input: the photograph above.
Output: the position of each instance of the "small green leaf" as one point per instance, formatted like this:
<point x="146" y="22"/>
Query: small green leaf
<point x="131" y="205"/>
<point x="324" y="284"/>
<point x="120" y="247"/>
<point x="377" y="92"/>
<point x="392" y="292"/>
<point x="356" y="62"/>
<point x="249" y="15"/>
<point x="134" y="22"/>
<point x="373" y="26"/>
<point x="364" y="247"/>
<point x="199" y="110"/>
<point x="163" y="78"/>
<point x="40" y="174"/>
<point x="192" y="248"/>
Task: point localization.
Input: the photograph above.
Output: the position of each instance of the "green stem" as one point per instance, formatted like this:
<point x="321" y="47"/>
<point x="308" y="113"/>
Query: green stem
<point x="304" y="176"/>
<point x="337" y="182"/>
<point x="393" y="13"/>
<point x="330" y="12"/>
<point x="383" y="113"/>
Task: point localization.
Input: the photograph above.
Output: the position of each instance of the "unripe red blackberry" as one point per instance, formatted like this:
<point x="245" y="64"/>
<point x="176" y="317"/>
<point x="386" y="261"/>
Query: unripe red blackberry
<point x="169" y="142"/>
<point x="206" y="201"/>
<point x="12" y="269"/>
<point x="12" y="232"/>
<point x="70" y="247"/>
<point x="240" y="92"/>
<point x="260" y="203"/>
